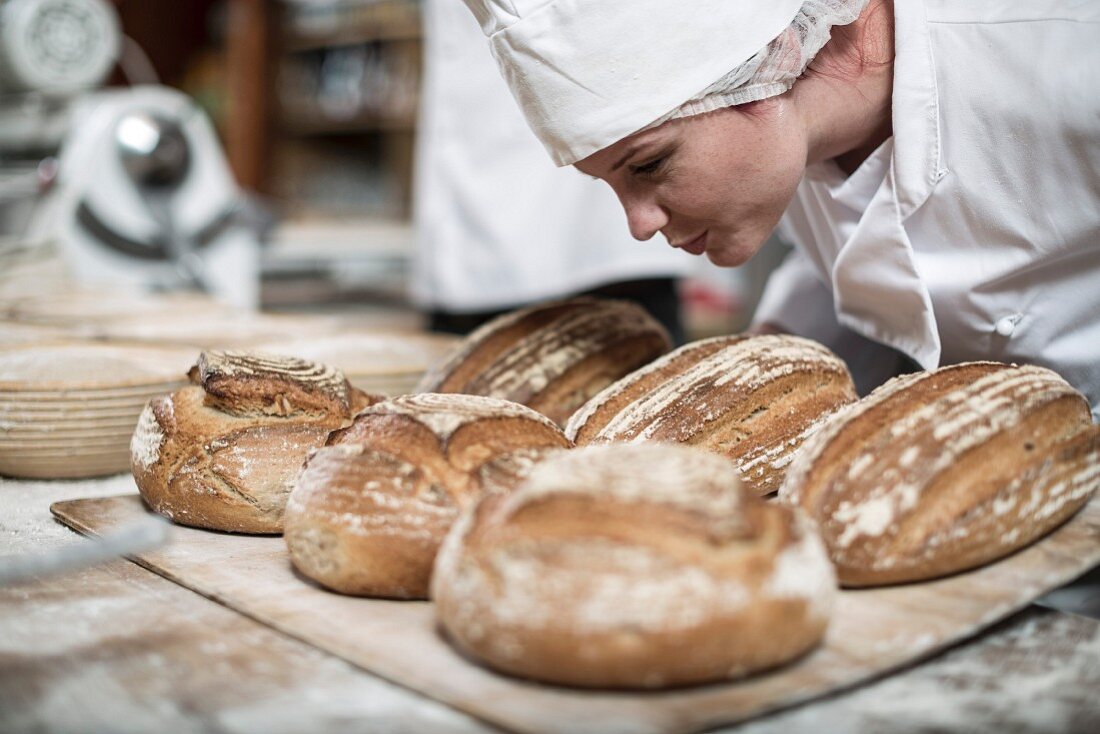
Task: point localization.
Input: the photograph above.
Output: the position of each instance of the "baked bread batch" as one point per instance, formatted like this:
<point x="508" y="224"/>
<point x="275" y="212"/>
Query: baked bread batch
<point x="371" y="508"/>
<point x="552" y="357"/>
<point x="224" y="452"/>
<point x="754" y="399"/>
<point x="937" y="472"/>
<point x="643" y="557"/>
<point x="630" y="566"/>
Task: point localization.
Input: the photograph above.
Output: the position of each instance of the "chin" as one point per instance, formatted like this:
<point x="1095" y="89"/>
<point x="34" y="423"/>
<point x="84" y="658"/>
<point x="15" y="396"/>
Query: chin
<point x="728" y="256"/>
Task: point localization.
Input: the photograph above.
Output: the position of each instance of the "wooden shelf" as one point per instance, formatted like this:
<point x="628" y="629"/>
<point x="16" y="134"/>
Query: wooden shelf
<point x="310" y="125"/>
<point x="274" y="113"/>
<point x="378" y="21"/>
<point x="250" y="54"/>
<point x="351" y="37"/>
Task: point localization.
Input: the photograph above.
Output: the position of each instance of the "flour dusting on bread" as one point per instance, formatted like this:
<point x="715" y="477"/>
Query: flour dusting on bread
<point x="147" y="439"/>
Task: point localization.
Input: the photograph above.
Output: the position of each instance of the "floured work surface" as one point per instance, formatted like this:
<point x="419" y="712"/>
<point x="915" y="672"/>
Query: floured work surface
<point x="873" y="631"/>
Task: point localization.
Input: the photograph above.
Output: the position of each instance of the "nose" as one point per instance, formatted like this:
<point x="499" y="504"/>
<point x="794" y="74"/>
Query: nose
<point x="644" y="216"/>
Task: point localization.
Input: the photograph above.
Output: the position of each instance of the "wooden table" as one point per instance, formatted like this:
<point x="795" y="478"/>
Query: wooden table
<point x="117" y="648"/>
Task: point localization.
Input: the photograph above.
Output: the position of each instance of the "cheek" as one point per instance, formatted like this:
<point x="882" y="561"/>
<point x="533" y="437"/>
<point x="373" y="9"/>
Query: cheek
<point x="752" y="179"/>
<point x="764" y="176"/>
<point x="756" y="193"/>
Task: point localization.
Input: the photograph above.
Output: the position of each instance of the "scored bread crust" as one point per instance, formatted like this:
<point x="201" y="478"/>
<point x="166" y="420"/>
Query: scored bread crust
<point x="551" y="357"/>
<point x="938" y="472"/>
<point x="753" y="399"/>
<point x="251" y="383"/>
<point x="627" y="566"/>
<point x="370" y="509"/>
<point x="223" y="454"/>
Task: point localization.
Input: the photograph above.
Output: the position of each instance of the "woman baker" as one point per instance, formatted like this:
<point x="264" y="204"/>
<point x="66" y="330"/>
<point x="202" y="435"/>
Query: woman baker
<point x="936" y="163"/>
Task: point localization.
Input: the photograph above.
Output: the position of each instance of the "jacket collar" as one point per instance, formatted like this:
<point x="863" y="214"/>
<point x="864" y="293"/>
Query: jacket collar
<point x="877" y="287"/>
<point x="916" y="114"/>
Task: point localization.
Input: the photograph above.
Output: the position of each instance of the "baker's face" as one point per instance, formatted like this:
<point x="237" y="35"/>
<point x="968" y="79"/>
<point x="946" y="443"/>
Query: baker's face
<point x="715" y="183"/>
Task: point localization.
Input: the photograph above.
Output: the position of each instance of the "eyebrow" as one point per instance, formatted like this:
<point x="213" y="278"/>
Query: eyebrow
<point x="627" y="156"/>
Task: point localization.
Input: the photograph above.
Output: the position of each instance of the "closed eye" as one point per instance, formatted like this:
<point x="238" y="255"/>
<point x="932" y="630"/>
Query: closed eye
<point x="649" y="167"/>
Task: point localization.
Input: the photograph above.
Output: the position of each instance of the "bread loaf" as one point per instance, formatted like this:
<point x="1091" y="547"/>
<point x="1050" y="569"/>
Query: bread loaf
<point x="938" y="472"/>
<point x="551" y="357"/>
<point x="631" y="566"/>
<point x="754" y="399"/>
<point x="371" y="508"/>
<point x="223" y="453"/>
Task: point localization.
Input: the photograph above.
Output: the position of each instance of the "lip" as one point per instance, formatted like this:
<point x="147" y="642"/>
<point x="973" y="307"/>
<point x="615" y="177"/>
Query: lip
<point x="696" y="246"/>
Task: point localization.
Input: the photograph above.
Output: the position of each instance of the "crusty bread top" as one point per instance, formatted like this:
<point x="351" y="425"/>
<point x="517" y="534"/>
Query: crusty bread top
<point x="187" y="420"/>
<point x="688" y="544"/>
<point x="505" y="473"/>
<point x="674" y="389"/>
<point x="368" y="492"/>
<point x="612" y="399"/>
<point x="664" y="474"/>
<point x="250" y="383"/>
<point x="445" y="413"/>
<point x="519" y="354"/>
<point x="941" y="415"/>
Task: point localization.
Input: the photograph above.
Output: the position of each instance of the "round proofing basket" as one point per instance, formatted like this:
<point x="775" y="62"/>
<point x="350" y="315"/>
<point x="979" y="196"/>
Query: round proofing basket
<point x="68" y="409"/>
<point x="386" y="363"/>
<point x="237" y="330"/>
<point x="89" y="308"/>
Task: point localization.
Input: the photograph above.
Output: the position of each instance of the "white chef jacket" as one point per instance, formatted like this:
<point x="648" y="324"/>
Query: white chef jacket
<point x="498" y="223"/>
<point x="974" y="232"/>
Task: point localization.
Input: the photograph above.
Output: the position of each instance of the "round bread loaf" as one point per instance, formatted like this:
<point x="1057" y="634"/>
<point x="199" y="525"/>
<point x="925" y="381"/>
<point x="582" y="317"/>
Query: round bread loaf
<point x="224" y="453"/>
<point x="938" y="472"/>
<point x="552" y="357"/>
<point x="633" y="566"/>
<point x="754" y="399"/>
<point x="371" y="508"/>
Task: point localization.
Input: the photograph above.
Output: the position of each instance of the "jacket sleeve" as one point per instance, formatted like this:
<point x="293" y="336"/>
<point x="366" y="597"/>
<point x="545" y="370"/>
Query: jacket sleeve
<point x="796" y="301"/>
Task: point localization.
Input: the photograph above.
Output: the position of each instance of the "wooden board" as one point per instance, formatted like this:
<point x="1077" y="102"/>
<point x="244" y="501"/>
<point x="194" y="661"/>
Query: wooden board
<point x="873" y="631"/>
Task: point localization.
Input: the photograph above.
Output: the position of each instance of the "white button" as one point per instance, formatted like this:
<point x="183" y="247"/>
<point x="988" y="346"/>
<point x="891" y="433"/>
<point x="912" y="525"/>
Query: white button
<point x="1007" y="325"/>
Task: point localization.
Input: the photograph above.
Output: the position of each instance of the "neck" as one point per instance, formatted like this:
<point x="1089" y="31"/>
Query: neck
<point x="845" y="94"/>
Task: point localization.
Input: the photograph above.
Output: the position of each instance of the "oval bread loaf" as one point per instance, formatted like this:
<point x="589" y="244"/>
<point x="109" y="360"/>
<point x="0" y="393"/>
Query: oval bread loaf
<point x="938" y="472"/>
<point x="632" y="567"/>
<point x="551" y="357"/>
<point x="754" y="399"/>
<point x="371" y="508"/>
<point x="223" y="454"/>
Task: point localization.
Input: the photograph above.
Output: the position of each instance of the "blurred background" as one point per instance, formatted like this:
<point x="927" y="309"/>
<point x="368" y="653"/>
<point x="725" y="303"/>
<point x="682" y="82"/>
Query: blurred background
<point x="266" y="152"/>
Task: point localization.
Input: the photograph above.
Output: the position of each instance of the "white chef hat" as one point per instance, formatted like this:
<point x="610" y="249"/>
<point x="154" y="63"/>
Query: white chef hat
<point x="587" y="73"/>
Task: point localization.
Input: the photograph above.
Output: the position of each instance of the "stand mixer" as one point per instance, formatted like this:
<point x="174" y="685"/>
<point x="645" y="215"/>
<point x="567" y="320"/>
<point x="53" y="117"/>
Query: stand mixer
<point x="156" y="156"/>
<point x="142" y="194"/>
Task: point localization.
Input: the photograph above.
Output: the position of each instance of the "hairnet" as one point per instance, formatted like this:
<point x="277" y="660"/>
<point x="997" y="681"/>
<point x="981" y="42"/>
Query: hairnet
<point x="775" y="68"/>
